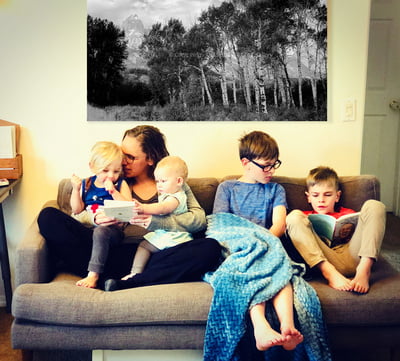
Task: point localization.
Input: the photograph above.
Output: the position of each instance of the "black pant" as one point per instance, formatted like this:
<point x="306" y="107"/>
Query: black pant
<point x="70" y="245"/>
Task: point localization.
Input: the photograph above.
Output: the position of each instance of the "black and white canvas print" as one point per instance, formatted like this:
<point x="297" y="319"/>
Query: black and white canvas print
<point x="207" y="60"/>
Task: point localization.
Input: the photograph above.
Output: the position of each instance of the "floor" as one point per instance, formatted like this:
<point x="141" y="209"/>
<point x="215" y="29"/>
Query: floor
<point x="390" y="250"/>
<point x="6" y="352"/>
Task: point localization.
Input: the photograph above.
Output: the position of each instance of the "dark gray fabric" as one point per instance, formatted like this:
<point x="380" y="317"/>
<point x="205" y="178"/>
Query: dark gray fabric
<point x="31" y="263"/>
<point x="61" y="302"/>
<point x="379" y="307"/>
<point x="158" y="337"/>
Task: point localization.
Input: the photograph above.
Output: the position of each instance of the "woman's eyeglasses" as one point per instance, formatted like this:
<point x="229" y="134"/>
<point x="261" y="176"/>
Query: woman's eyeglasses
<point x="268" y="167"/>
<point x="129" y="158"/>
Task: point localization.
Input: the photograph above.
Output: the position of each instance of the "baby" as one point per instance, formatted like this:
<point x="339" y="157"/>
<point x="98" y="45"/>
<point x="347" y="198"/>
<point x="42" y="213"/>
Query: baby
<point x="170" y="174"/>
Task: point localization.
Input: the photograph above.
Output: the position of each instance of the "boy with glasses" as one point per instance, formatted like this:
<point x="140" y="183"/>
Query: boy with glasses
<point x="256" y="199"/>
<point x="344" y="260"/>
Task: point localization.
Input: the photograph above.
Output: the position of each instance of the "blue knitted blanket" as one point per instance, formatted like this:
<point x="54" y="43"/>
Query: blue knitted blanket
<point x="256" y="267"/>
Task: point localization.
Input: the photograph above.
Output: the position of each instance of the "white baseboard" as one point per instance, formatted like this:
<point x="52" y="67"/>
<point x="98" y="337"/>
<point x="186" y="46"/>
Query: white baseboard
<point x="147" y="355"/>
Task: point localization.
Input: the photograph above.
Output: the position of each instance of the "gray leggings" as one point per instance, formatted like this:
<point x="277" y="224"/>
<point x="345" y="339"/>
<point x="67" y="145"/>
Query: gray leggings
<point x="104" y="237"/>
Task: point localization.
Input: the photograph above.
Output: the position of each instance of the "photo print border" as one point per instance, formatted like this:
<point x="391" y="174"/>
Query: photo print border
<point x="207" y="60"/>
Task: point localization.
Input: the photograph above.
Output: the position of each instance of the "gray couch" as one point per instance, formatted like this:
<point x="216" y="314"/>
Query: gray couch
<point x="55" y="314"/>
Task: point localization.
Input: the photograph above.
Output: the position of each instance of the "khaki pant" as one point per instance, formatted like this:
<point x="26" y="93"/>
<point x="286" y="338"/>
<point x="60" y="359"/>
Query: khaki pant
<point x="366" y="240"/>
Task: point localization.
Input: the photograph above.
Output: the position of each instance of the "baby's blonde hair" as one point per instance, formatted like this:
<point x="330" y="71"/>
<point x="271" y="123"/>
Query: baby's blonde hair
<point x="178" y="165"/>
<point x="103" y="153"/>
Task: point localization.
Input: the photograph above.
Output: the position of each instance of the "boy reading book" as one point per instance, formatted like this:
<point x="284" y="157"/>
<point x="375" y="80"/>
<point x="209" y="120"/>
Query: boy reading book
<point x="346" y="266"/>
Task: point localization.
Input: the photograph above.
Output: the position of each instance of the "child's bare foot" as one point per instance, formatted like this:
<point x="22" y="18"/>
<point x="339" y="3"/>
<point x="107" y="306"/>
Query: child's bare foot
<point x="339" y="282"/>
<point x="90" y="281"/>
<point x="360" y="282"/>
<point x="293" y="337"/>
<point x="335" y="279"/>
<point x="266" y="337"/>
<point x="360" y="285"/>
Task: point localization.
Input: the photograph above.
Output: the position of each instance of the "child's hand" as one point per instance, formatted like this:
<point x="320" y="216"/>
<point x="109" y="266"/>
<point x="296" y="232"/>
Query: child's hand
<point x="138" y="207"/>
<point x="76" y="182"/>
<point x="109" y="186"/>
<point x="102" y="220"/>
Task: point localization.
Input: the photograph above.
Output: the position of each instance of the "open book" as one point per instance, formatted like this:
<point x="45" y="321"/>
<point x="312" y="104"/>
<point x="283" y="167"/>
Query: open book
<point x="120" y="210"/>
<point x="334" y="231"/>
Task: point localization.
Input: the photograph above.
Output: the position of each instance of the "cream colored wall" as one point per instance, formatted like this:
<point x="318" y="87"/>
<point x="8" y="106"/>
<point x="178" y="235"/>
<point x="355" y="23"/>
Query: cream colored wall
<point x="43" y="88"/>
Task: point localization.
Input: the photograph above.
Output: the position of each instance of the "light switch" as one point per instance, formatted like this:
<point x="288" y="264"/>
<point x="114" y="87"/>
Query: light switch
<point x="349" y="110"/>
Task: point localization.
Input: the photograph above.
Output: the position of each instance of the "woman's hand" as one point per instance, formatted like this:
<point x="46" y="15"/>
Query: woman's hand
<point x="102" y="220"/>
<point x="141" y="220"/>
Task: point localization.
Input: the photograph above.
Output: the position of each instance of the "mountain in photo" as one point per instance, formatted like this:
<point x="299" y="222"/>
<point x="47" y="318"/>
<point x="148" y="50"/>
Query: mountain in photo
<point x="134" y="33"/>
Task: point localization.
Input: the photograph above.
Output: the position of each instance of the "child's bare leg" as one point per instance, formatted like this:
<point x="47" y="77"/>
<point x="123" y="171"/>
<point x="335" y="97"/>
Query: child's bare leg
<point x="360" y="282"/>
<point x="264" y="334"/>
<point x="90" y="281"/>
<point x="128" y="276"/>
<point x="283" y="304"/>
<point x="335" y="279"/>
<point x="142" y="256"/>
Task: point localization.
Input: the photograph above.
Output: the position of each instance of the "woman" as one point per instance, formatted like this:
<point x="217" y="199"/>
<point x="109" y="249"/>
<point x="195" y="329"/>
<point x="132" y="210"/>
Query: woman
<point x="70" y="243"/>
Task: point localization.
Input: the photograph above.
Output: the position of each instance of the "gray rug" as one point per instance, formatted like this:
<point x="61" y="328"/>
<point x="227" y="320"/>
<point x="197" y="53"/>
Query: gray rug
<point x="393" y="257"/>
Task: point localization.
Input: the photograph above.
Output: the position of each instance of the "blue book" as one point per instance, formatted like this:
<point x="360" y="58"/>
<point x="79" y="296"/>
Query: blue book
<point x="334" y="231"/>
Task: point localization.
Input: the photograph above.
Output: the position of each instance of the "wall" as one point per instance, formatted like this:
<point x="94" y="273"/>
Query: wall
<point x="43" y="88"/>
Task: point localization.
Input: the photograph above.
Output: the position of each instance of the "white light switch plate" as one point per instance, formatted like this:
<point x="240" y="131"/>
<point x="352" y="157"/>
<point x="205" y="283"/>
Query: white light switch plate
<point x="349" y="110"/>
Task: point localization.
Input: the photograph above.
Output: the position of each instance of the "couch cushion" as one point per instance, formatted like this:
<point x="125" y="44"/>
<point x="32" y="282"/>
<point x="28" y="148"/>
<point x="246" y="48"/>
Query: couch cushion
<point x="380" y="306"/>
<point x="61" y="302"/>
<point x="357" y="189"/>
<point x="204" y="190"/>
<point x="64" y="195"/>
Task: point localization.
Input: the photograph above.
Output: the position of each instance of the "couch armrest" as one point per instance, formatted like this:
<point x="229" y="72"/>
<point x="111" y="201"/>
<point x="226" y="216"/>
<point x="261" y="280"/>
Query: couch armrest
<point x="31" y="263"/>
